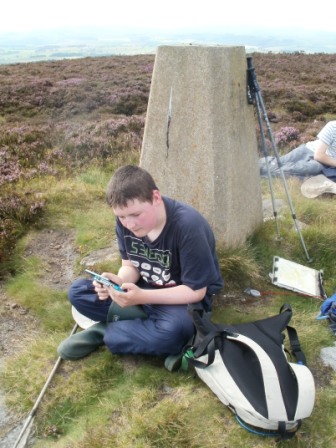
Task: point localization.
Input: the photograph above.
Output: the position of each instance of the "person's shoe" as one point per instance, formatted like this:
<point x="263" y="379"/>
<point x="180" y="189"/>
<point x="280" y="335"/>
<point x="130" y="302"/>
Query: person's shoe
<point x="116" y="313"/>
<point x="317" y="185"/>
<point x="179" y="362"/>
<point x="81" y="344"/>
<point x="173" y="362"/>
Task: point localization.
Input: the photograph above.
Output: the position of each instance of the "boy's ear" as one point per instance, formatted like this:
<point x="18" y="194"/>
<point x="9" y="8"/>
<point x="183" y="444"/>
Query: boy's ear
<point x="157" y="198"/>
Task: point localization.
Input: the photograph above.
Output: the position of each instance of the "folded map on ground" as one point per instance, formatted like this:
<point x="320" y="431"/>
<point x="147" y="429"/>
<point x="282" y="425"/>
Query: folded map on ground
<point x="302" y="279"/>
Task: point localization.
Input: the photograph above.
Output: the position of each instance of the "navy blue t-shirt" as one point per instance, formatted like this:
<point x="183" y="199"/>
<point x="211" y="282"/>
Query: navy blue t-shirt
<point x="184" y="252"/>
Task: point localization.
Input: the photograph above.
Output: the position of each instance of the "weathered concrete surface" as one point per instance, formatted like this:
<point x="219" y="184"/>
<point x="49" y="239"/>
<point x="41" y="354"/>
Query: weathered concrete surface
<point x="328" y="356"/>
<point x="211" y="158"/>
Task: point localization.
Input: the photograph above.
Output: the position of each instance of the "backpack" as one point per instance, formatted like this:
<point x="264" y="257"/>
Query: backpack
<point x="246" y="366"/>
<point x="328" y="311"/>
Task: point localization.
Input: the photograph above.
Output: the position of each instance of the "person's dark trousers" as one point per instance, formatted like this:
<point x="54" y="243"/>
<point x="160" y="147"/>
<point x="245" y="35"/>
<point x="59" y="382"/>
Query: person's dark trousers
<point x="164" y="332"/>
<point x="85" y="299"/>
<point x="85" y="342"/>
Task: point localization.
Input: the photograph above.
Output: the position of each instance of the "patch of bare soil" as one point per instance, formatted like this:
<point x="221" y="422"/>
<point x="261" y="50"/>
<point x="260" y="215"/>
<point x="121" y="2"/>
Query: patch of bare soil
<point x="56" y="249"/>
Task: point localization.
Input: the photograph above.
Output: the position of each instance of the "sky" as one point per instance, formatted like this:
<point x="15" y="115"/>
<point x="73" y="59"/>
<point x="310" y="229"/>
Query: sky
<point x="28" y="15"/>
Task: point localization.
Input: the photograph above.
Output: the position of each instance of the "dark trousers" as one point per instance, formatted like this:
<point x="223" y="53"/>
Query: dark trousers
<point x="165" y="331"/>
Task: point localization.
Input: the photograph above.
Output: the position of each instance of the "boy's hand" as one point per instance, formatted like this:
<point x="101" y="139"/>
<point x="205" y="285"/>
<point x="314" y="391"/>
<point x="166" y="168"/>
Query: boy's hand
<point x="131" y="295"/>
<point x="104" y="291"/>
<point x="101" y="290"/>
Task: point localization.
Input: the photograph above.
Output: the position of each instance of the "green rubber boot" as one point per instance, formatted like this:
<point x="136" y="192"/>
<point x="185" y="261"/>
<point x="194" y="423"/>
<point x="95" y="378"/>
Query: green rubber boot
<point x="83" y="343"/>
<point x="179" y="362"/>
<point x="116" y="313"/>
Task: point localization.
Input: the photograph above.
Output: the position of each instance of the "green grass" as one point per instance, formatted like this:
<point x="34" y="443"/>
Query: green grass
<point x="107" y="400"/>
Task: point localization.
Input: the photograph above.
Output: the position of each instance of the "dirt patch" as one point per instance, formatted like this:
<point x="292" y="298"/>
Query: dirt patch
<point x="56" y="249"/>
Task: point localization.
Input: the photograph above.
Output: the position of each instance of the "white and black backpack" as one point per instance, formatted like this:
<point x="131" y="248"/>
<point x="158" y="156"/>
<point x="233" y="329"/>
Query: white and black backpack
<point x="246" y="366"/>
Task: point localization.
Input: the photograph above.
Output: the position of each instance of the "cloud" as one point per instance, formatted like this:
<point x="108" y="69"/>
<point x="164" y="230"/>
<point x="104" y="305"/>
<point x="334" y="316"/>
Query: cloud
<point x="37" y="14"/>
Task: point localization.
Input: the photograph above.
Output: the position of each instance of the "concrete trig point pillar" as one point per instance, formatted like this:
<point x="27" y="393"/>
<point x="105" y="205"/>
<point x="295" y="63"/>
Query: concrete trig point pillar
<point x="200" y="140"/>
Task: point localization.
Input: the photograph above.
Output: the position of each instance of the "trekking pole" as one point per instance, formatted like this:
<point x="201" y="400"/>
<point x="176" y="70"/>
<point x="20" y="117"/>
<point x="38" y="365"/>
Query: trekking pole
<point x="264" y="148"/>
<point x="37" y="402"/>
<point x="255" y="89"/>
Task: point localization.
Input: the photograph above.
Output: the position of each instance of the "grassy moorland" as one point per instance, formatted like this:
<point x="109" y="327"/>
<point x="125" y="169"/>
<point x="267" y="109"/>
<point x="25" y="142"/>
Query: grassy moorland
<point x="64" y="127"/>
<point x="55" y="117"/>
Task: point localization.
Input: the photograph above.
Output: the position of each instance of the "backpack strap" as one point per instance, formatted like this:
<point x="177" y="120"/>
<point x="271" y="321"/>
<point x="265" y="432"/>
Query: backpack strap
<point x="292" y="336"/>
<point x="208" y="337"/>
<point x="201" y="319"/>
<point x="295" y="345"/>
<point x="207" y="346"/>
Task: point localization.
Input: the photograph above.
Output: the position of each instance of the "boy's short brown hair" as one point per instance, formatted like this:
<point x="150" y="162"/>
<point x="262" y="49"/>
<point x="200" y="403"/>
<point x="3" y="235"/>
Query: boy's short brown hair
<point x="128" y="183"/>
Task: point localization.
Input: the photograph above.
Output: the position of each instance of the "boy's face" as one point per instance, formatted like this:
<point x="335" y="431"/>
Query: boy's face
<point x="140" y="217"/>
